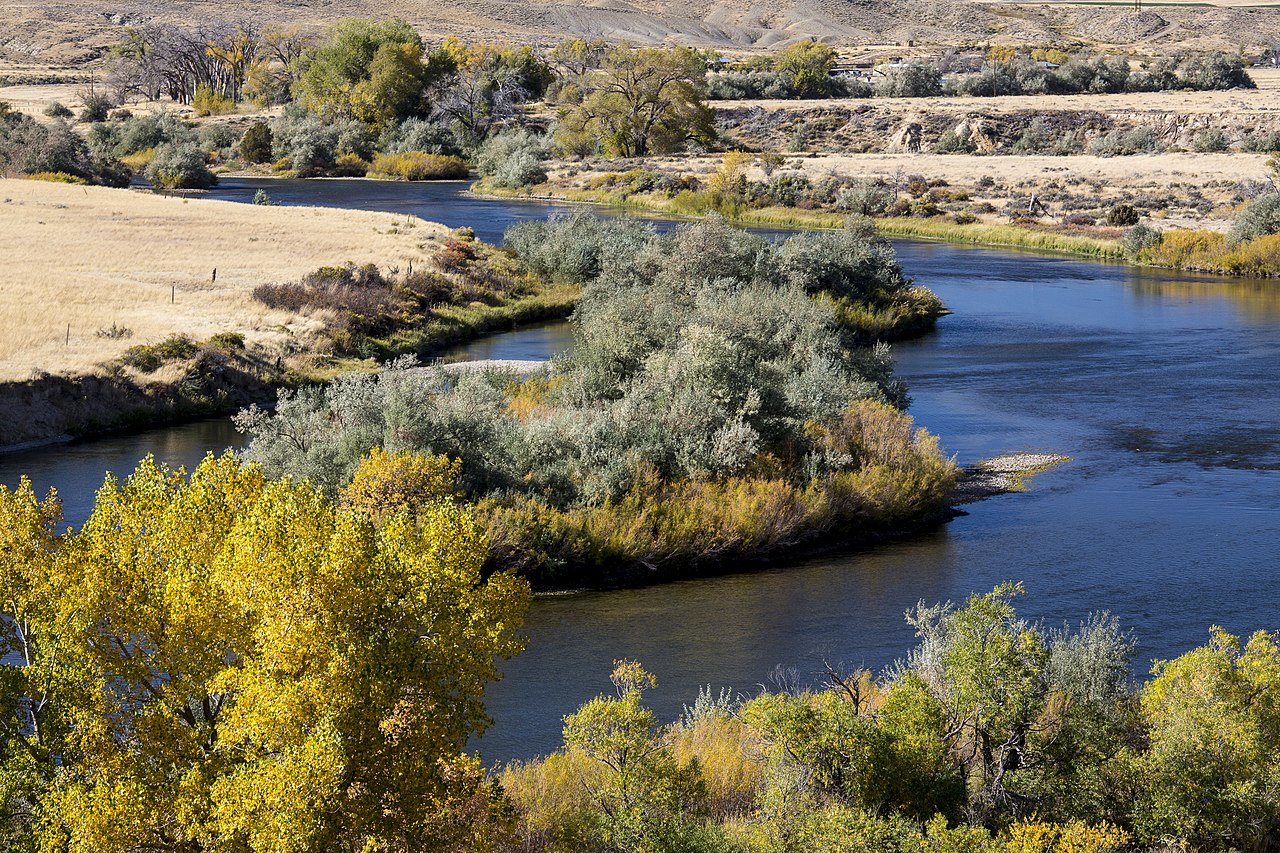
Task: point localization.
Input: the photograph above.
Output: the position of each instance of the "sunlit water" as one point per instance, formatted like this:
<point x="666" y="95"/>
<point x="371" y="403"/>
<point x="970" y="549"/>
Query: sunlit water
<point x="1163" y="390"/>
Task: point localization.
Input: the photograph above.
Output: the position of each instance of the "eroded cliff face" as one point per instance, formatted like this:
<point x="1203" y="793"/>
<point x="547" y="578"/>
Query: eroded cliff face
<point x="970" y="125"/>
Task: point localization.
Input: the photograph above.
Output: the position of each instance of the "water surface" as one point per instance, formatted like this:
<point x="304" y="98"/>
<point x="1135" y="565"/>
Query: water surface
<point x="1163" y="389"/>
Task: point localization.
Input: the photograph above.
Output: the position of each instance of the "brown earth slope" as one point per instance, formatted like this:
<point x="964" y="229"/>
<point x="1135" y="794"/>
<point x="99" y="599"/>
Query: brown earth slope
<point x="55" y="32"/>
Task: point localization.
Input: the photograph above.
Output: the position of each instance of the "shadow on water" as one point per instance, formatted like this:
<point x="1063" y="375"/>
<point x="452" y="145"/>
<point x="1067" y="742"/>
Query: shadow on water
<point x="1162" y="388"/>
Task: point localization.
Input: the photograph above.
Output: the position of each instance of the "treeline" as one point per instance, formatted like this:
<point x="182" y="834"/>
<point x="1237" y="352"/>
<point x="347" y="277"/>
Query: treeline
<point x="716" y="405"/>
<point x="993" y="735"/>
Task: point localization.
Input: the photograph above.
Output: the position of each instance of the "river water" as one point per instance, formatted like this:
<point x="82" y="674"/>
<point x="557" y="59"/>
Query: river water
<point x="1163" y="389"/>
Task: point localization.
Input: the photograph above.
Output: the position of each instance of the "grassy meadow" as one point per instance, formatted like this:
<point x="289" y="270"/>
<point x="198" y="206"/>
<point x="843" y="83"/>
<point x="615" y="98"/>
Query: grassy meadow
<point x="92" y="258"/>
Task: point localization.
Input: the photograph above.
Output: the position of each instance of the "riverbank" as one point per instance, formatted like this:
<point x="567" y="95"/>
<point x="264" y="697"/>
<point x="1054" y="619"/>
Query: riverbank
<point x="121" y="310"/>
<point x="975" y="233"/>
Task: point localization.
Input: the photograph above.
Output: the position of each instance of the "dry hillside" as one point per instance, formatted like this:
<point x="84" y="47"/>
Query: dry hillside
<point x="53" y="32"/>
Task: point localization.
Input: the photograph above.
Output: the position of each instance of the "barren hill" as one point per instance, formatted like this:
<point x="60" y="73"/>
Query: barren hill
<point x="74" y="31"/>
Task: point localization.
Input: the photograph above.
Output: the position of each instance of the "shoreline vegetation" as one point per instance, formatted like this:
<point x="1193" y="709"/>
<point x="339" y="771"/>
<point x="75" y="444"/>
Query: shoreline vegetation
<point x="977" y="234"/>
<point x="725" y="400"/>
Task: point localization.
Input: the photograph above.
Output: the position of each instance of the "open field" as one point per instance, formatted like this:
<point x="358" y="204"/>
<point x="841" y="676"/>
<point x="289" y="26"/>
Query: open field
<point x="91" y="257"/>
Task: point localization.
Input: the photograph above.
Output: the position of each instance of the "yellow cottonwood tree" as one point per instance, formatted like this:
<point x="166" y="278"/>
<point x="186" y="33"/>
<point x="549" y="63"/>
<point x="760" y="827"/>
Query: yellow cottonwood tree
<point x="235" y="664"/>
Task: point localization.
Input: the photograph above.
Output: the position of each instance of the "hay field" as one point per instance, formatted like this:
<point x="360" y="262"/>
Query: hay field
<point x="91" y="257"/>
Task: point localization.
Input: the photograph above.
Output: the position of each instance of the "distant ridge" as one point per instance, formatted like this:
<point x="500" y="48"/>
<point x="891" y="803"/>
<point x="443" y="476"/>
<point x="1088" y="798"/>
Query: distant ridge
<point x="74" y="31"/>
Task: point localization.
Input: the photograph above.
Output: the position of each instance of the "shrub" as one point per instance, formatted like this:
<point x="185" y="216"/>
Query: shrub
<point x="954" y="143"/>
<point x="864" y="198"/>
<point x="1215" y="71"/>
<point x="58" y="110"/>
<point x="1139" y="140"/>
<point x="96" y="106"/>
<point x="1259" y="218"/>
<point x="180" y="166"/>
<point x="114" y="332"/>
<point x="218" y="137"/>
<point x="261" y="198"/>
<point x="416" y="134"/>
<point x="349" y="166"/>
<point x="913" y="80"/>
<point x="1262" y="143"/>
<point x="255" y="145"/>
<point x="56" y="178"/>
<point x="29" y="147"/>
<point x="309" y="144"/>
<point x="229" y="341"/>
<point x="208" y="102"/>
<point x="1211" y="140"/>
<point x="140" y="133"/>
<point x="1139" y="238"/>
<point x="418" y="166"/>
<point x="1123" y="214"/>
<point x="148" y="358"/>
<point x="513" y="159"/>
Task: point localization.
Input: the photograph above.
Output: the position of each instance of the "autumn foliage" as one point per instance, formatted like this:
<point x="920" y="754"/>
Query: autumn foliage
<point x="223" y="662"/>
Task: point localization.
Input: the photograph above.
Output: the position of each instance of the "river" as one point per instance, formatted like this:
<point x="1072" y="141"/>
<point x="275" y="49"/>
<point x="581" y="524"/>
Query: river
<point x="1162" y="388"/>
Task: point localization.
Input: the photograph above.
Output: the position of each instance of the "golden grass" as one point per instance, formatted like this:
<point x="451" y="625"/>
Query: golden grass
<point x="1001" y="235"/>
<point x="89" y="258"/>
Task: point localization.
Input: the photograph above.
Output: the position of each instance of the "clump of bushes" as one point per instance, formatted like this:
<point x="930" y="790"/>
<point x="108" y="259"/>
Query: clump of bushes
<point x="58" y="110"/>
<point x="992" y="735"/>
<point x="418" y="166"/>
<point x="513" y="159"/>
<point x="180" y="166"/>
<point x="209" y="102"/>
<point x="1118" y="143"/>
<point x="255" y="145"/>
<point x="416" y="134"/>
<point x="371" y="313"/>
<point x="1260" y="218"/>
<point x="777" y="85"/>
<point x="1139" y="239"/>
<point x="310" y="146"/>
<point x="30" y="148"/>
<point x="148" y="358"/>
<point x="1211" y="140"/>
<point x="912" y="80"/>
<point x="711" y="405"/>
<point x="1024" y="76"/>
<point x="95" y="106"/>
<point x="1123" y="215"/>
<point x="362" y="300"/>
<point x="140" y="133"/>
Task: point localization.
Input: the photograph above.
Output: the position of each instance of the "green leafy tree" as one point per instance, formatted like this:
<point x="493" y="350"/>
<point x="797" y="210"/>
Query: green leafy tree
<point x="229" y="663"/>
<point x="640" y="101"/>
<point x="644" y="798"/>
<point x="375" y="71"/>
<point x="1211" y="775"/>
<point x="809" y="65"/>
<point x="1032" y="717"/>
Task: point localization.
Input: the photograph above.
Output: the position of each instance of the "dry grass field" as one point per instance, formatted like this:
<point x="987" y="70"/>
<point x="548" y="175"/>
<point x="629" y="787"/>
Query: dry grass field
<point x="89" y="258"/>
